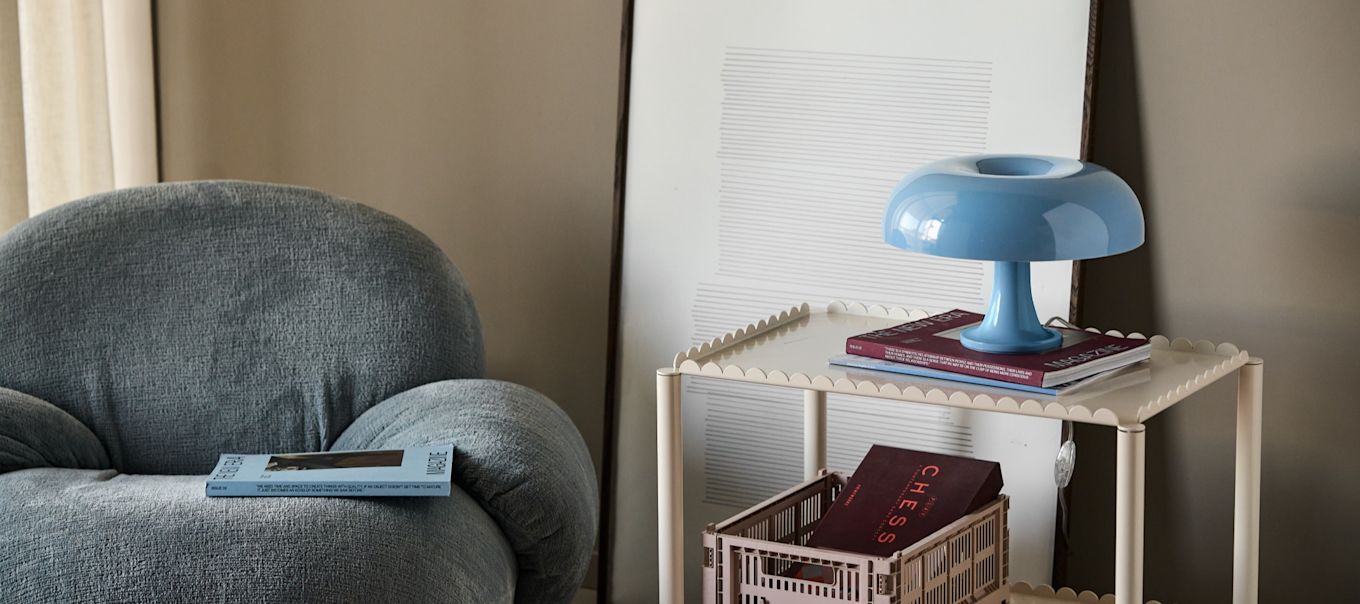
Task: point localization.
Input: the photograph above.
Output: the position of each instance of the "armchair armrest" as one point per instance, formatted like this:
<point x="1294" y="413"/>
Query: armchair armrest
<point x="37" y="434"/>
<point x="518" y="455"/>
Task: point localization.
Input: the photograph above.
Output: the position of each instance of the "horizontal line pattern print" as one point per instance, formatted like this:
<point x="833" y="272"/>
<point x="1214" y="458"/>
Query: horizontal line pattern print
<point x="810" y="146"/>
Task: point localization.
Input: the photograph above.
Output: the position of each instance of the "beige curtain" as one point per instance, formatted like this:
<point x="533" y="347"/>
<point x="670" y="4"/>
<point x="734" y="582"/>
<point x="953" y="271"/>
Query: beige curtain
<point x="77" y="102"/>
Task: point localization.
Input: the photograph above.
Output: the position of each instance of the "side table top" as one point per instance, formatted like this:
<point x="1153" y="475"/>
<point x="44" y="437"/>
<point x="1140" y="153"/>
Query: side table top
<point x="791" y="349"/>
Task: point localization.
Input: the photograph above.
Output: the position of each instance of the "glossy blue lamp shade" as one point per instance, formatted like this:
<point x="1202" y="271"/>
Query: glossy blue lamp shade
<point x="1013" y="209"/>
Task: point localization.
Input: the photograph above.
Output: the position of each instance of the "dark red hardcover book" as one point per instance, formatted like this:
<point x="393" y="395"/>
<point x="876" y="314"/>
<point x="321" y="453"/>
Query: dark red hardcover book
<point x="898" y="496"/>
<point x="934" y="343"/>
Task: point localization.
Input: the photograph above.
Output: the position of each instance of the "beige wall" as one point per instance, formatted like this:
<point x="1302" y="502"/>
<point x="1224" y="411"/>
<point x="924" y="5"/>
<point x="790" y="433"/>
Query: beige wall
<point x="488" y="125"/>
<point x="1238" y="124"/>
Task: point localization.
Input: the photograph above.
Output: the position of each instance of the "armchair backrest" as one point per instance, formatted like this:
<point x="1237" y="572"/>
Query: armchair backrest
<point x="184" y="320"/>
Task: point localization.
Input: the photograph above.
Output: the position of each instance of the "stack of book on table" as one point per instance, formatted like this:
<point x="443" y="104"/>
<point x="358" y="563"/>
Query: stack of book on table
<point x="931" y="348"/>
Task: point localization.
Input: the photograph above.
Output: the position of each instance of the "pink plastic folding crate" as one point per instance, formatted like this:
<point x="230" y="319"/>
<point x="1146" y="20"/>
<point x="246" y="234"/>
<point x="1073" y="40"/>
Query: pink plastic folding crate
<point x="746" y="557"/>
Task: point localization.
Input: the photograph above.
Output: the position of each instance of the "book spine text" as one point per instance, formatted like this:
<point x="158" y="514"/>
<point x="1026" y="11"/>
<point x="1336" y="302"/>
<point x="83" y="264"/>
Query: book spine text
<point x="930" y="360"/>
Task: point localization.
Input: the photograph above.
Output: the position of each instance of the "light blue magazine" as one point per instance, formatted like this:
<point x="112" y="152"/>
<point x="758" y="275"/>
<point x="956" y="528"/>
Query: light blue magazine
<point x="414" y="472"/>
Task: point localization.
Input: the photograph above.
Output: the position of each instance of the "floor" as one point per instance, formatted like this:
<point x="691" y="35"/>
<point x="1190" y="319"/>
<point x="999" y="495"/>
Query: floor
<point x="585" y="596"/>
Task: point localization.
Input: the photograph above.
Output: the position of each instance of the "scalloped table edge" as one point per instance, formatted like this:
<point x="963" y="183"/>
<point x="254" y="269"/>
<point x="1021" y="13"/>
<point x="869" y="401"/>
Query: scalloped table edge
<point x="685" y="362"/>
<point x="1064" y="594"/>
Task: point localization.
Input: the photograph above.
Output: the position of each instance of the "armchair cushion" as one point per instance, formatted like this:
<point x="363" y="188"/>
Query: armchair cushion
<point x="99" y="536"/>
<point x="518" y="455"/>
<point x="36" y="434"/>
<point x="180" y="320"/>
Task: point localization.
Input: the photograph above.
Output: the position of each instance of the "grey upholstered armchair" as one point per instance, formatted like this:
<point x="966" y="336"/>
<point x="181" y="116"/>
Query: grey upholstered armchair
<point x="144" y="332"/>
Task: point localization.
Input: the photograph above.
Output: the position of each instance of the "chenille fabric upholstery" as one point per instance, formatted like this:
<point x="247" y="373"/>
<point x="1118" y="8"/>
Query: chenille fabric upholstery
<point x="144" y="332"/>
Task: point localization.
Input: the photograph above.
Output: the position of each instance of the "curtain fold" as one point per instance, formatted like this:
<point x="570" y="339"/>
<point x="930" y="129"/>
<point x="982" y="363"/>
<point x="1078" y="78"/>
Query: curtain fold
<point x="130" y="65"/>
<point x="77" y="106"/>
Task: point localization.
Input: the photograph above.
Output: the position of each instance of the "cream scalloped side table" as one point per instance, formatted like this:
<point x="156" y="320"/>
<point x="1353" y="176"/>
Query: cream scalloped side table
<point x="790" y="350"/>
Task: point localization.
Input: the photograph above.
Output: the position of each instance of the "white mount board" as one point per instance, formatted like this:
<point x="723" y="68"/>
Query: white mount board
<point x="764" y="138"/>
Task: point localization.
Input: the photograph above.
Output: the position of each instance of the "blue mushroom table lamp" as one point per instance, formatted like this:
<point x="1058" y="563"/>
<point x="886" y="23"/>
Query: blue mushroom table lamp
<point x="1014" y="210"/>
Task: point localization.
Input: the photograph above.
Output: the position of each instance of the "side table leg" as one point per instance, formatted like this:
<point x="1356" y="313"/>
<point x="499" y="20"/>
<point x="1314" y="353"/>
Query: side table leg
<point x="814" y="432"/>
<point x="1247" y="500"/>
<point x="669" y="493"/>
<point x="1128" y="516"/>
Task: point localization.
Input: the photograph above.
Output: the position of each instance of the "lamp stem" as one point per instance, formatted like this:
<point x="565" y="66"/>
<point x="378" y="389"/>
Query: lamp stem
<point x="1012" y="324"/>
<point x="1012" y="299"/>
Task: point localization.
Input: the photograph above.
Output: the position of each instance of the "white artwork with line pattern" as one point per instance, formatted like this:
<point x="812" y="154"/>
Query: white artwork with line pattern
<point x="764" y="140"/>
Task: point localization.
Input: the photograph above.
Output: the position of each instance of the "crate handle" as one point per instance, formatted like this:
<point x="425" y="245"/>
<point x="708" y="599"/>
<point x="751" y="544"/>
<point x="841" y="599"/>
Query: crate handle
<point x="835" y="577"/>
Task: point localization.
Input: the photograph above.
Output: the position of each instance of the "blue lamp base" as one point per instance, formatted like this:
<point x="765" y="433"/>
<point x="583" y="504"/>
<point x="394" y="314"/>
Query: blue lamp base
<point x="1011" y="325"/>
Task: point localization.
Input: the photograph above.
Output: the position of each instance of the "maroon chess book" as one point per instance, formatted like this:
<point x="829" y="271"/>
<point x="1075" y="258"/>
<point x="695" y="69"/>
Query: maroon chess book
<point x="934" y="343"/>
<point x="898" y="497"/>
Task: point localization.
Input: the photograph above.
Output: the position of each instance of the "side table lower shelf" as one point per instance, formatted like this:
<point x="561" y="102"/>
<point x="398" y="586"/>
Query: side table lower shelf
<point x="1024" y="593"/>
